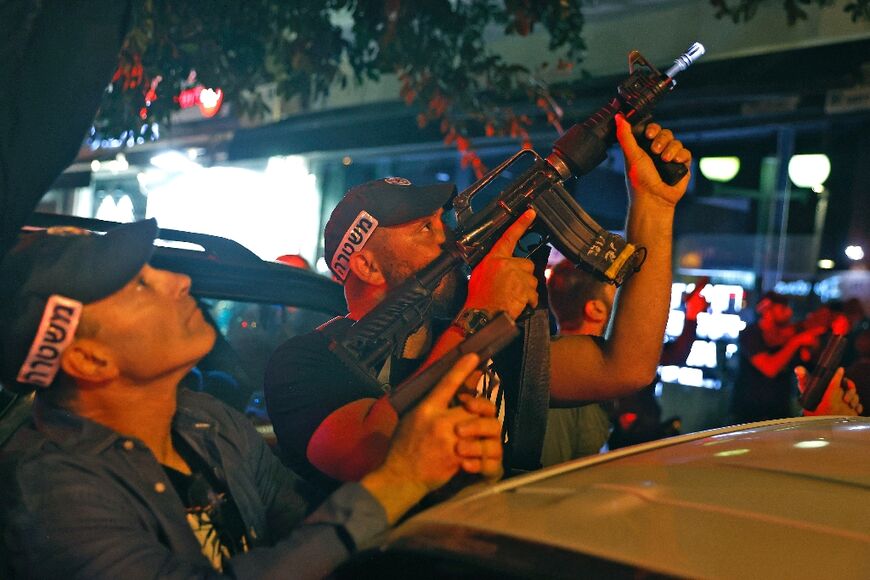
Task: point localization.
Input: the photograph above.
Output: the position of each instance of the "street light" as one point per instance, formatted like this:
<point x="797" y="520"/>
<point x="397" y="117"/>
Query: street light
<point x="855" y="253"/>
<point x="721" y="169"/>
<point x="809" y="171"/>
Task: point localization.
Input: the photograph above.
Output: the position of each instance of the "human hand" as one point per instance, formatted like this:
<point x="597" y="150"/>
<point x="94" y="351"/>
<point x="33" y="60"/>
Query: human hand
<point x="501" y="282"/>
<point x="643" y="178"/>
<point x="435" y="442"/>
<point x="836" y="400"/>
<point x="481" y="446"/>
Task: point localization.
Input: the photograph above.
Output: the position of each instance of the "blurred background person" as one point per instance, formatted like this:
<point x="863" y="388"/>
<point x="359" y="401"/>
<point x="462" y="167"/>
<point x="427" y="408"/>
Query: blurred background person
<point x="581" y="304"/>
<point x="859" y="370"/>
<point x="768" y="355"/>
<point x="637" y="418"/>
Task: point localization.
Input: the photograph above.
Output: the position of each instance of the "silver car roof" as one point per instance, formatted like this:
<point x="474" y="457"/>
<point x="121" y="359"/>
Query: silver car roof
<point x="786" y="498"/>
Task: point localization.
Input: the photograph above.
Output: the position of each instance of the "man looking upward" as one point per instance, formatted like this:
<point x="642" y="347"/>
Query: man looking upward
<point x="121" y="474"/>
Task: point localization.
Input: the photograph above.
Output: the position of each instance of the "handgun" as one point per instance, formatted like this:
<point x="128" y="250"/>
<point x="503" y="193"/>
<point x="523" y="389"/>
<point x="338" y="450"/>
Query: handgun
<point x="829" y="361"/>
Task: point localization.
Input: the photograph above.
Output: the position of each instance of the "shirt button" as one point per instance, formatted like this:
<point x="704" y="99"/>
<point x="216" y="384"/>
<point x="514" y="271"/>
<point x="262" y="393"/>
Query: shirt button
<point x="129" y="445"/>
<point x="159" y="487"/>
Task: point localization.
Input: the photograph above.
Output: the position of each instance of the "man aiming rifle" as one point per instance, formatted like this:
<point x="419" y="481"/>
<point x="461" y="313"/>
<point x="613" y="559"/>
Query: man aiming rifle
<point x="396" y="229"/>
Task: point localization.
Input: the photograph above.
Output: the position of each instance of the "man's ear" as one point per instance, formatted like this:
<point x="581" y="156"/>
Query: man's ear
<point x="595" y="310"/>
<point x="89" y="361"/>
<point x="364" y="265"/>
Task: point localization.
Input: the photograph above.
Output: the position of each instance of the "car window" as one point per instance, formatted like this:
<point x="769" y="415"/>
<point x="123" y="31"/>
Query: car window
<point x="248" y="333"/>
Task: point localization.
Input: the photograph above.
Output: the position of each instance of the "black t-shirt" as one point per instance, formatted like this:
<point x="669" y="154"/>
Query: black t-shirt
<point x="757" y="397"/>
<point x="211" y="512"/>
<point x="304" y="383"/>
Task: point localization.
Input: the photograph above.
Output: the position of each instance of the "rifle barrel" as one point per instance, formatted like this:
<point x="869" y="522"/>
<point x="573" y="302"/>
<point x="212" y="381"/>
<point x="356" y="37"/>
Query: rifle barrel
<point x="686" y="59"/>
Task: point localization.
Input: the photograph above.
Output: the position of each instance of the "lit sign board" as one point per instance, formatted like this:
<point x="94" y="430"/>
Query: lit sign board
<point x="721" y="321"/>
<point x="208" y="100"/>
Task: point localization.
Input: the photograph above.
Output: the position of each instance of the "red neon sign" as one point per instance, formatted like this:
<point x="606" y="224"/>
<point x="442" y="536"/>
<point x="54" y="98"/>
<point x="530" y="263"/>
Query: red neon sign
<point x="208" y="100"/>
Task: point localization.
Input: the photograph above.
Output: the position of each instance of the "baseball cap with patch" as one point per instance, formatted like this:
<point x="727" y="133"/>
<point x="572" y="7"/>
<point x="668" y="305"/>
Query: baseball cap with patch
<point x="45" y="281"/>
<point x="384" y="202"/>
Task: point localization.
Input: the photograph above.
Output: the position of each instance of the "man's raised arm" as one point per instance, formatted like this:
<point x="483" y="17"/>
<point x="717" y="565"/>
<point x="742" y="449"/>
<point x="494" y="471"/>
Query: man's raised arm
<point x="586" y="368"/>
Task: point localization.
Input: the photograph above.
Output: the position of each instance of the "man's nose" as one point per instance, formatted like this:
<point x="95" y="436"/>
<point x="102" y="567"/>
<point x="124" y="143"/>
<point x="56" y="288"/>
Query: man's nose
<point x="440" y="232"/>
<point x="182" y="284"/>
<point x="174" y="284"/>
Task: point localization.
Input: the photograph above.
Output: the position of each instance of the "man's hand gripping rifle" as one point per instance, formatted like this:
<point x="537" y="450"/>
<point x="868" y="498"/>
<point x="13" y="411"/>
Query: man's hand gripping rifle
<point x="560" y="220"/>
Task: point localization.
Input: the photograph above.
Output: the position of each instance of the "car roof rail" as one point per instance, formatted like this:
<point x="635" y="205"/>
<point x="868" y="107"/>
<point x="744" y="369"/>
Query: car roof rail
<point x="215" y="247"/>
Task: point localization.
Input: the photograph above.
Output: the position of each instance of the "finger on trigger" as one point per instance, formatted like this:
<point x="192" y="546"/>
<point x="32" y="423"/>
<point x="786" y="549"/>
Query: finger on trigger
<point x="478" y="406"/>
<point x="508" y="241"/>
<point x="671" y="150"/>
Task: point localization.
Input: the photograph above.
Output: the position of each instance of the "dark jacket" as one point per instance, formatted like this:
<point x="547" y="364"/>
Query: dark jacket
<point x="80" y="500"/>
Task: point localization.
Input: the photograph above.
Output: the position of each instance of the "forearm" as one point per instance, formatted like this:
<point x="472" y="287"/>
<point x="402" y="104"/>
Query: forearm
<point x="349" y="520"/>
<point x="627" y="358"/>
<point x="395" y="493"/>
<point x="641" y="313"/>
<point x="448" y="340"/>
<point x="771" y="364"/>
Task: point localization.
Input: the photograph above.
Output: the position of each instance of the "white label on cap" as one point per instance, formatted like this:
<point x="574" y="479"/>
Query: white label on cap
<point x="354" y="239"/>
<point x="397" y="181"/>
<point x="56" y="331"/>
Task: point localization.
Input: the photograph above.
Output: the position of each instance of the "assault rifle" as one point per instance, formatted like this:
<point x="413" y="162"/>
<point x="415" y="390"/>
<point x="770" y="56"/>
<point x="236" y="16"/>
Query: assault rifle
<point x="560" y="220"/>
<point x="829" y="360"/>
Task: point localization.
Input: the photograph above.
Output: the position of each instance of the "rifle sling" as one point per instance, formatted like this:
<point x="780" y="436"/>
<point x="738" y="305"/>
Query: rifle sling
<point x="527" y="422"/>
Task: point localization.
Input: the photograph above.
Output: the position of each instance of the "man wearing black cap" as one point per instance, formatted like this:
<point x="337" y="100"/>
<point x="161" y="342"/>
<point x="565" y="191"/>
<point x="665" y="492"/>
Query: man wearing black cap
<point x="385" y="230"/>
<point x="120" y="474"/>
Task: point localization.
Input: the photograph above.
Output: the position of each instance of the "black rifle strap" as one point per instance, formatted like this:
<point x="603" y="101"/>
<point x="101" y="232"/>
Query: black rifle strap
<point x="528" y="420"/>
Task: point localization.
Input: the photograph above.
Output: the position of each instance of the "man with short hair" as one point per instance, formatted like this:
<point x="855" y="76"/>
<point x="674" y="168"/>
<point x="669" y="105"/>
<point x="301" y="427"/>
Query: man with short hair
<point x="121" y="474"/>
<point x="384" y="231"/>
<point x="581" y="304"/>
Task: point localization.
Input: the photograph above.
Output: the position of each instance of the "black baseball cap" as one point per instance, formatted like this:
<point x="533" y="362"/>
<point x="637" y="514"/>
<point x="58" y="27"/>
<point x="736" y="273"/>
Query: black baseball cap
<point x="383" y="202"/>
<point x="46" y="279"/>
